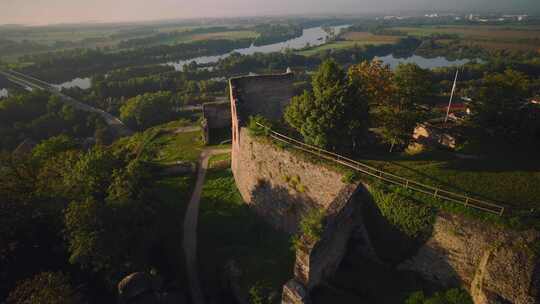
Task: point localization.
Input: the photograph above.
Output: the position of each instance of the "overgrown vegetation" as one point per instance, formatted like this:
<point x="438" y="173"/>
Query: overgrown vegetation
<point x="39" y="115"/>
<point x="410" y="218"/>
<point x="96" y="216"/>
<point x="451" y="296"/>
<point x="311" y="229"/>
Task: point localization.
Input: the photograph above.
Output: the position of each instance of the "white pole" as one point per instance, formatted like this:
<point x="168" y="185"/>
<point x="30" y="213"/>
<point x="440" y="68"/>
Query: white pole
<point x="451" y="96"/>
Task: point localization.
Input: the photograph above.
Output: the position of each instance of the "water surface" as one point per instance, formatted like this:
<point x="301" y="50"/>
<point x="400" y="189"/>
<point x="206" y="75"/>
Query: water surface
<point x="423" y="62"/>
<point x="310" y="37"/>
<point x="4" y="92"/>
<point x="83" y="83"/>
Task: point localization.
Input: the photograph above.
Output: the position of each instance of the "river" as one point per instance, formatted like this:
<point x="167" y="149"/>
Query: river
<point x="423" y="62"/>
<point x="83" y="83"/>
<point x="312" y="36"/>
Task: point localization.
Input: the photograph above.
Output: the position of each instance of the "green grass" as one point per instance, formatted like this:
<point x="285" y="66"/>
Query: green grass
<point x="173" y="194"/>
<point x="486" y="36"/>
<point x="164" y="146"/>
<point x="220" y="161"/>
<point x="331" y="46"/>
<point x="229" y="229"/>
<point x="179" y="147"/>
<point x="514" y="182"/>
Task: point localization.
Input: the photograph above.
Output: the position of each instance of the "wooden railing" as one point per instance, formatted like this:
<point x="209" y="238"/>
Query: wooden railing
<point x="387" y="177"/>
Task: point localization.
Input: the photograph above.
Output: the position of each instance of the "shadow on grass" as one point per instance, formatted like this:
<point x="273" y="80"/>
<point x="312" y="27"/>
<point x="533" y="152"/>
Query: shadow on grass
<point x="230" y="230"/>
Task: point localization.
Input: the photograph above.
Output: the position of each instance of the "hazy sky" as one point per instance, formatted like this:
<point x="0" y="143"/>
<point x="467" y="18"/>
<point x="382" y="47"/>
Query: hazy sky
<point x="62" y="11"/>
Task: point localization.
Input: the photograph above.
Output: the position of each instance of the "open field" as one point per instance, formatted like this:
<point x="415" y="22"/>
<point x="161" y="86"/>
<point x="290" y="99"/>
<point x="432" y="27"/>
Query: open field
<point x="227" y="35"/>
<point x="491" y="37"/>
<point x="368" y="37"/>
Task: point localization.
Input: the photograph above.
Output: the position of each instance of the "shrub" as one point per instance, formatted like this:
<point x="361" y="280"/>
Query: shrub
<point x="408" y="217"/>
<point x="311" y="225"/>
<point x="260" y="293"/>
<point x="451" y="296"/>
<point x="45" y="287"/>
<point x="254" y="127"/>
<point x="350" y="177"/>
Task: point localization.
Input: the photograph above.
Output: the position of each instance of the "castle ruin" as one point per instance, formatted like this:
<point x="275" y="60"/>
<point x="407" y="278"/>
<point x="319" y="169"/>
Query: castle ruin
<point x="481" y="258"/>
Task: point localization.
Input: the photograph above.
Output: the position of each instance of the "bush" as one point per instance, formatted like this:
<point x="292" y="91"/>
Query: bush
<point x="451" y="296"/>
<point x="350" y="177"/>
<point x="260" y="293"/>
<point x="45" y="287"/>
<point x="408" y="217"/>
<point x="254" y="127"/>
<point x="311" y="225"/>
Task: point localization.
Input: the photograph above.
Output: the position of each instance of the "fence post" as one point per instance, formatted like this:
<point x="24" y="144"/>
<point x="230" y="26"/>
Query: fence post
<point x="407" y="184"/>
<point x="467" y="202"/>
<point x="502" y="211"/>
<point x="435" y="194"/>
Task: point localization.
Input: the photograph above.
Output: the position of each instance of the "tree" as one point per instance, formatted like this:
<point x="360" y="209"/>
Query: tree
<point x="53" y="146"/>
<point x="376" y="80"/>
<point x="91" y="174"/>
<point x="498" y="102"/>
<point x="147" y="110"/>
<point x="335" y="114"/>
<point x="399" y="114"/>
<point x="413" y="85"/>
<point x="45" y="287"/>
<point x="397" y="126"/>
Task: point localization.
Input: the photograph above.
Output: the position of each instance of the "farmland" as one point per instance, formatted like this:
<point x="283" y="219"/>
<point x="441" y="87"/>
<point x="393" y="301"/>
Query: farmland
<point x="490" y="37"/>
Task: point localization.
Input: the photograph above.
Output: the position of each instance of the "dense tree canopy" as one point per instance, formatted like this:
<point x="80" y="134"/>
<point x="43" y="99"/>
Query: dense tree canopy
<point x="334" y="115"/>
<point x="499" y="102"/>
<point x="147" y="110"/>
<point x="39" y="115"/>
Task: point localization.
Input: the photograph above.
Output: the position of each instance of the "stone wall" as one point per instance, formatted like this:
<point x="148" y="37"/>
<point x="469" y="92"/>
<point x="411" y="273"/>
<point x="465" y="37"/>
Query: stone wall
<point x="265" y="95"/>
<point x="279" y="185"/>
<point x="217" y="114"/>
<point x="496" y="265"/>
<point x="282" y="187"/>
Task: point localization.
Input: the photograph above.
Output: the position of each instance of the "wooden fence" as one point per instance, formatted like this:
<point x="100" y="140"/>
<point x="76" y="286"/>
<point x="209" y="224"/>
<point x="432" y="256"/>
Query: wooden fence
<point x="389" y="178"/>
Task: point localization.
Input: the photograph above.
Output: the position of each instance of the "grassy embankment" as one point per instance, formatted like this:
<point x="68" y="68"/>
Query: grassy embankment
<point x="230" y="230"/>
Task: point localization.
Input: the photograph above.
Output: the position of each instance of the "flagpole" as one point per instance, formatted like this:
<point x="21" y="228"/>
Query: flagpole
<point x="451" y="96"/>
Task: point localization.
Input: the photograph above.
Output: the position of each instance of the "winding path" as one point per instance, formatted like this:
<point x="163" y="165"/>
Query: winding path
<point x="190" y="226"/>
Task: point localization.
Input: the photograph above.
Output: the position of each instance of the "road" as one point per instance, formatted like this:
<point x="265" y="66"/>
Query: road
<point x="190" y="226"/>
<point x="28" y="81"/>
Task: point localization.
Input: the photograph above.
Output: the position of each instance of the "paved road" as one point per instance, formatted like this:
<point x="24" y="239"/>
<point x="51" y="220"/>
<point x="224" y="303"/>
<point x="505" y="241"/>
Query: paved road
<point x="28" y="81"/>
<point x="190" y="226"/>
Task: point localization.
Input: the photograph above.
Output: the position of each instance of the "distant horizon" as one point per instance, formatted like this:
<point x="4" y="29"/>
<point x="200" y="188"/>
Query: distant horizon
<point x="77" y="12"/>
